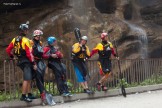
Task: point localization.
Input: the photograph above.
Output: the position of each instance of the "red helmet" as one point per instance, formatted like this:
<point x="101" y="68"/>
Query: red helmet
<point x="103" y="35"/>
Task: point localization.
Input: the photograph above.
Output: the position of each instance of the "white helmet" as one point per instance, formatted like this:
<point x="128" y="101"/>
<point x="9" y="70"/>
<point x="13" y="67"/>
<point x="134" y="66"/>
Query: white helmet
<point x="37" y="33"/>
<point x="84" y="38"/>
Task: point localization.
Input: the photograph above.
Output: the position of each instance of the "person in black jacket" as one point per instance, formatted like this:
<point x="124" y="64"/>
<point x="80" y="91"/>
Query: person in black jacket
<point x="37" y="51"/>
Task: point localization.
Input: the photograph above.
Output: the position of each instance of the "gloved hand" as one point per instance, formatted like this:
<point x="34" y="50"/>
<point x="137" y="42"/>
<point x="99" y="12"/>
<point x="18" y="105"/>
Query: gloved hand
<point x="54" y="56"/>
<point x="59" y="54"/>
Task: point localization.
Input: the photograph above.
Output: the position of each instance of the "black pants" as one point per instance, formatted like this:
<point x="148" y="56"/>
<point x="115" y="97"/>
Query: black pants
<point x="39" y="75"/>
<point x="106" y="65"/>
<point x="59" y="70"/>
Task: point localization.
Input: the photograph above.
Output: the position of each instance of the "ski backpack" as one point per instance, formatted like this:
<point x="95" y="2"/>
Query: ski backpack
<point x="18" y="50"/>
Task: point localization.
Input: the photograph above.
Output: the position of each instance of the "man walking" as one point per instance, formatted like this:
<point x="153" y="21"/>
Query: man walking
<point x="104" y="50"/>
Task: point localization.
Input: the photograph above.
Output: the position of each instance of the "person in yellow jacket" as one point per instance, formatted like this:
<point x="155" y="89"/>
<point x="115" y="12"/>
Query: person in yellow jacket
<point x="20" y="47"/>
<point x="80" y="52"/>
<point x="105" y="50"/>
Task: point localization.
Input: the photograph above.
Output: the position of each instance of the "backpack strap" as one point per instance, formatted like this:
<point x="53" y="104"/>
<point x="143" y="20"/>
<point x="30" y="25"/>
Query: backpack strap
<point x="18" y="40"/>
<point x="52" y="49"/>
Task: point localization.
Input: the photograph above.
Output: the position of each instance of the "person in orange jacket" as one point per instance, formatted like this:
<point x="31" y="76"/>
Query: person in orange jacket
<point x="104" y="49"/>
<point x="22" y="49"/>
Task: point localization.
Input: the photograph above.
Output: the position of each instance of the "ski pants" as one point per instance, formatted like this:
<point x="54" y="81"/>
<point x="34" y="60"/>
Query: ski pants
<point x="59" y="70"/>
<point x="39" y="75"/>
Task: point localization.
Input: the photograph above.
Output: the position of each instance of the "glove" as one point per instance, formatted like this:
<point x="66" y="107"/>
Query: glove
<point x="59" y="54"/>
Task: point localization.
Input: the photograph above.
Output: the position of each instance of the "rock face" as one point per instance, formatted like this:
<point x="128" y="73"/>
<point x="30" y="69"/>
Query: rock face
<point x="152" y="11"/>
<point x="135" y="24"/>
<point x="60" y="17"/>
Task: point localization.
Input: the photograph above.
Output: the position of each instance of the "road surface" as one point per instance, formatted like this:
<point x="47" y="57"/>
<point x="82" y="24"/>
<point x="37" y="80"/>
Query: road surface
<point x="151" y="99"/>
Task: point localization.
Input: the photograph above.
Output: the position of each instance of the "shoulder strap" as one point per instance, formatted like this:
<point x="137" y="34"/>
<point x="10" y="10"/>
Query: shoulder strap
<point x="17" y="46"/>
<point x="107" y="44"/>
<point x="31" y="42"/>
<point x="52" y="50"/>
<point x="40" y="42"/>
<point x="18" y="39"/>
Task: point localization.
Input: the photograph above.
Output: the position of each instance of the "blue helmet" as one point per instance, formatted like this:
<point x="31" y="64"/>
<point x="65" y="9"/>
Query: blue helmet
<point x="51" y="39"/>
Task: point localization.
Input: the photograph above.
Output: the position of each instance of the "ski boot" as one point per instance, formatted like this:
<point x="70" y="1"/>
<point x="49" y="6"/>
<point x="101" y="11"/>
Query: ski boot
<point x="65" y="94"/>
<point x="31" y="96"/>
<point x="98" y="86"/>
<point x="26" y="99"/>
<point x="43" y="98"/>
<point x="88" y="91"/>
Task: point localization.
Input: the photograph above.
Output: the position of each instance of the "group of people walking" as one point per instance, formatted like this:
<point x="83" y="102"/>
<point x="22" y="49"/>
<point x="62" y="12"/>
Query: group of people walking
<point x="31" y="55"/>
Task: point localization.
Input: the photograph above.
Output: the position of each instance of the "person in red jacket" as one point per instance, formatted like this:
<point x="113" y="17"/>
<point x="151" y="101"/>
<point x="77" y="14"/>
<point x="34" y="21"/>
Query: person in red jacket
<point x="54" y="57"/>
<point x="105" y="50"/>
<point x="22" y="49"/>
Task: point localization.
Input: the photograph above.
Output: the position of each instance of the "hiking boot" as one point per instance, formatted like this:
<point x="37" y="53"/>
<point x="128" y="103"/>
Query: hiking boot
<point x="104" y="88"/>
<point x="98" y="86"/>
<point x="65" y="94"/>
<point x="31" y="96"/>
<point x="26" y="99"/>
<point x="87" y="91"/>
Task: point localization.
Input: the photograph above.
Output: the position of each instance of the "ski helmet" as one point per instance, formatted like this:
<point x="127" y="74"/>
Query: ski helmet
<point x="51" y="39"/>
<point x="103" y="35"/>
<point x="84" y="38"/>
<point x="23" y="27"/>
<point x="37" y="33"/>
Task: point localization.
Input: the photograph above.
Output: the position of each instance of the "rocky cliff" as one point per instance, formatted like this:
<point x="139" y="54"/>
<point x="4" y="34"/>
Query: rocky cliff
<point x="131" y="20"/>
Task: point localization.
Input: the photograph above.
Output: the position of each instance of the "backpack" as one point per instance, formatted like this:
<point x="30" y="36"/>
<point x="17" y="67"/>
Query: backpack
<point x="18" y="50"/>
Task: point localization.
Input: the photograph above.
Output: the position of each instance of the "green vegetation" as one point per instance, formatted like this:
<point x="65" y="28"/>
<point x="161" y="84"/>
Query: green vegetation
<point x="151" y="81"/>
<point x="52" y="88"/>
